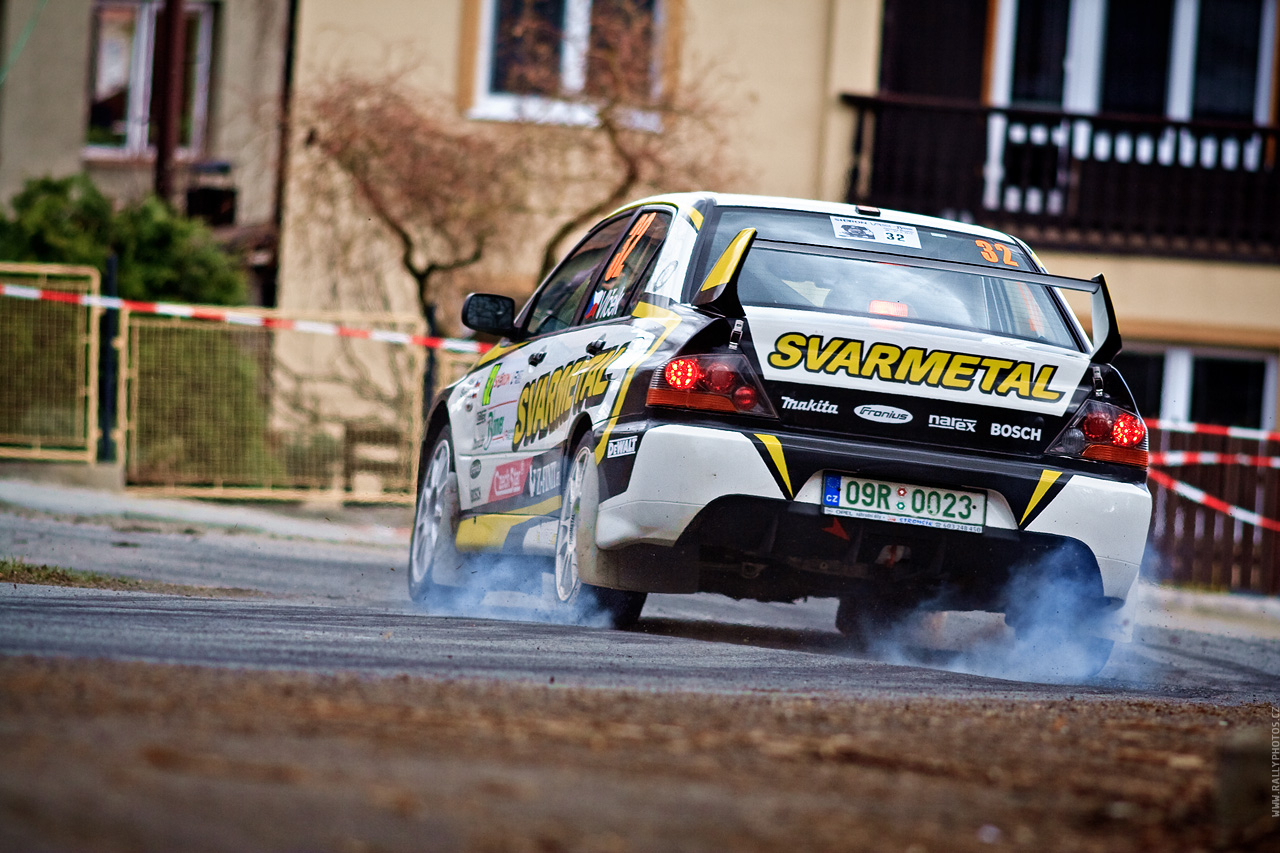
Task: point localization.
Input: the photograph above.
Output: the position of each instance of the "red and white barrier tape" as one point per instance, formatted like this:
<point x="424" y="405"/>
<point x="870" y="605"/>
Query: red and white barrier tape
<point x="1192" y="457"/>
<point x="1193" y="494"/>
<point x="222" y="315"/>
<point x="1214" y="429"/>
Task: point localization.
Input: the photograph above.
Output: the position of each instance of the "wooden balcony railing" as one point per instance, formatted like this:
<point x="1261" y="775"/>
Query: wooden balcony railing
<point x="1072" y="181"/>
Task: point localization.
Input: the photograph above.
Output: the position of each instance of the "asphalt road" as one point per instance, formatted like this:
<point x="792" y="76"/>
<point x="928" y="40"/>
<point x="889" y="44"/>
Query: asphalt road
<point x="331" y="606"/>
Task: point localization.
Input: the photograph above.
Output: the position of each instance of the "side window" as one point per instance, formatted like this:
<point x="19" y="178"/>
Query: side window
<point x="628" y="269"/>
<point x="556" y="305"/>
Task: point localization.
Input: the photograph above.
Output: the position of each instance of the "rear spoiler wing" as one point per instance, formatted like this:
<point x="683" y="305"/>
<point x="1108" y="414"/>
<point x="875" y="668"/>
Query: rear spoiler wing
<point x="719" y="290"/>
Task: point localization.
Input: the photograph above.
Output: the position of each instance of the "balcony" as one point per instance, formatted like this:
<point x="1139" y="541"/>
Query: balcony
<point x="1098" y="183"/>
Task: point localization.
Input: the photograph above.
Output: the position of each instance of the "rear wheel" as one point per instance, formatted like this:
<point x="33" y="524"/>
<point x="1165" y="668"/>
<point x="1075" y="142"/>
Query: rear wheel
<point x="437" y="571"/>
<point x="1054" y="612"/>
<point x="576" y="546"/>
<point x="868" y="618"/>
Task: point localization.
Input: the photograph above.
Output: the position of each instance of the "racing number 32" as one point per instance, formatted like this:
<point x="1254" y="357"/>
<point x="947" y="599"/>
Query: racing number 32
<point x="989" y="250"/>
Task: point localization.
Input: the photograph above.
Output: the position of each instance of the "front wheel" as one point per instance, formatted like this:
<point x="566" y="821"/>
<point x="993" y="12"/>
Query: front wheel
<point x="576" y="546"/>
<point x="437" y="571"/>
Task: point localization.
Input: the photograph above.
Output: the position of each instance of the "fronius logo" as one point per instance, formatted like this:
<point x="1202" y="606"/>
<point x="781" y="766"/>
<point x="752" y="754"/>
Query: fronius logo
<point x="883" y="414"/>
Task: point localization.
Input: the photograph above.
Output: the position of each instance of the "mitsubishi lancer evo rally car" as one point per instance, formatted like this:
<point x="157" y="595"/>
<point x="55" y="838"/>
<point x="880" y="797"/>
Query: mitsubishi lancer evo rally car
<point x="776" y="399"/>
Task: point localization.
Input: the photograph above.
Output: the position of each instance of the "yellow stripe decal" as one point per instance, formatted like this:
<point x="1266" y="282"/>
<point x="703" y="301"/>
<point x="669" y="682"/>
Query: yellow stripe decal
<point x="1047" y="479"/>
<point x="491" y="530"/>
<point x="670" y="320"/>
<point x="498" y="352"/>
<point x="696" y="218"/>
<point x="774" y="447"/>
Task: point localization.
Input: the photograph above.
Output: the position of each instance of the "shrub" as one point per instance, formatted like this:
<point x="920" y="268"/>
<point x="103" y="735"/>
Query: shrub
<point x="163" y="256"/>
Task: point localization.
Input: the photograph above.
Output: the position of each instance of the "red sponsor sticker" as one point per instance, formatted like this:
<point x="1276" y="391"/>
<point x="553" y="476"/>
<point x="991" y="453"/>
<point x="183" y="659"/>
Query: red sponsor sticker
<point x="508" y="480"/>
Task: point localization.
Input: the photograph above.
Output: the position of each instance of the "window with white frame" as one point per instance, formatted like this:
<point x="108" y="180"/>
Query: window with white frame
<point x="551" y="60"/>
<point x="1180" y="59"/>
<point x="1202" y="385"/>
<point x="122" y="65"/>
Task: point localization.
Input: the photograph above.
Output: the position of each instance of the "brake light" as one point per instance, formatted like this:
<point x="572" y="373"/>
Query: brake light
<point x="714" y="383"/>
<point x="682" y="373"/>
<point x="1128" y="430"/>
<point x="891" y="309"/>
<point x="1105" y="433"/>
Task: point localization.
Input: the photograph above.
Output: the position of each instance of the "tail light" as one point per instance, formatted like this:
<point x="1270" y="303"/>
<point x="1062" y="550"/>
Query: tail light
<point x="1106" y="433"/>
<point x="714" y="383"/>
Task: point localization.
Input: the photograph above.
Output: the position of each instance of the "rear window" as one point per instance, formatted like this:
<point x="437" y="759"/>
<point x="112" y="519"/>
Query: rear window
<point x="859" y="232"/>
<point x="788" y="277"/>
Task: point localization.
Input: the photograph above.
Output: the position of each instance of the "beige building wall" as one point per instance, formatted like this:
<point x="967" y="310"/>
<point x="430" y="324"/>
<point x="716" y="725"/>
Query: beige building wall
<point x="44" y="101"/>
<point x="1183" y="302"/>
<point x="776" y="69"/>
<point x="779" y="69"/>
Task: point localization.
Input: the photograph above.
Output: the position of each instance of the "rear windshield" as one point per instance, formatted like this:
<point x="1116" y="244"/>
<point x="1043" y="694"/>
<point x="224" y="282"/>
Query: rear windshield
<point x="789" y="277"/>
<point x="862" y="232"/>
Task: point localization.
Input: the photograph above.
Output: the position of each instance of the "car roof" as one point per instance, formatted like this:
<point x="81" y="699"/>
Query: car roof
<point x="689" y="199"/>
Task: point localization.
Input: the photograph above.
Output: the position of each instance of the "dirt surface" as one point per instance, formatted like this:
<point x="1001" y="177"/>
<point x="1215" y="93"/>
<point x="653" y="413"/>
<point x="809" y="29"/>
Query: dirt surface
<point x="98" y="755"/>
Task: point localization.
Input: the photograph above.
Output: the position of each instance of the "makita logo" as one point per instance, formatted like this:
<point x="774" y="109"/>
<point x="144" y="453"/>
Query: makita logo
<point x="883" y="414"/>
<point x="1007" y="431"/>
<point x="957" y="424"/>
<point x="822" y="407"/>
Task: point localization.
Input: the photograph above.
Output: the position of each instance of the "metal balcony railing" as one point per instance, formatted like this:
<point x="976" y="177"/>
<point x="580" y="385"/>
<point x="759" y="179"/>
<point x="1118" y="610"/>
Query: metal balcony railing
<point x="1073" y="181"/>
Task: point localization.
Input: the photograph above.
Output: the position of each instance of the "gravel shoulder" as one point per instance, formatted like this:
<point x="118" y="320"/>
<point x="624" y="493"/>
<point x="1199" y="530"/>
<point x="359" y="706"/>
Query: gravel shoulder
<point x="105" y="755"/>
<point x="108" y="755"/>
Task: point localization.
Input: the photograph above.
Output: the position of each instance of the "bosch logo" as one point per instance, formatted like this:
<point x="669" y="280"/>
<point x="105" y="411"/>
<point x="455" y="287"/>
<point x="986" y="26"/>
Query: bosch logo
<point x="1010" y="431"/>
<point x="883" y="414"/>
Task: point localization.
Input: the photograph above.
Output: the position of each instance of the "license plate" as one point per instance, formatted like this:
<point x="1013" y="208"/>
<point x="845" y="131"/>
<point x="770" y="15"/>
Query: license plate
<point x="903" y="503"/>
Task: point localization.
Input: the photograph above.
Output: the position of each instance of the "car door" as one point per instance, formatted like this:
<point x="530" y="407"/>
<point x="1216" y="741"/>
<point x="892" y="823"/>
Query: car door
<point x="495" y="455"/>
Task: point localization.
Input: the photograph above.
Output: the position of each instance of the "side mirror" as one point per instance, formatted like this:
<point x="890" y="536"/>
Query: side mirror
<point x="490" y="313"/>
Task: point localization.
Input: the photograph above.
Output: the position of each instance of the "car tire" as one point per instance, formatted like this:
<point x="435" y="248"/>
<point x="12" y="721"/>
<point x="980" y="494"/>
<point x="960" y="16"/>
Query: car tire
<point x="432" y="545"/>
<point x="1056" y="616"/>
<point x="576" y="546"/>
<point x="1063" y="653"/>
<point x="867" y="618"/>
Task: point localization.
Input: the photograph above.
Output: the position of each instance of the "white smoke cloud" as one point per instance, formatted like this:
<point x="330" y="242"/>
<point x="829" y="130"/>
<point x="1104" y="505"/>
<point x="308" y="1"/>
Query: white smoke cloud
<point x="1053" y="639"/>
<point x="514" y="588"/>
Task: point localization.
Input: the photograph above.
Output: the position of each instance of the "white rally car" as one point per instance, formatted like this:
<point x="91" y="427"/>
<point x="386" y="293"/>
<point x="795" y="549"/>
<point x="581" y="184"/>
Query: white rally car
<point x="772" y="399"/>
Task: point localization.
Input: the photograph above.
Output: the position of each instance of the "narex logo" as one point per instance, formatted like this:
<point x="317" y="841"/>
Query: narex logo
<point x="957" y="424"/>
<point x="914" y="366"/>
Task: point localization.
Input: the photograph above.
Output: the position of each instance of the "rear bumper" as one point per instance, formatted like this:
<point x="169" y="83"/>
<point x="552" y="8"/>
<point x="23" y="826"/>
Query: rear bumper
<point x="680" y="470"/>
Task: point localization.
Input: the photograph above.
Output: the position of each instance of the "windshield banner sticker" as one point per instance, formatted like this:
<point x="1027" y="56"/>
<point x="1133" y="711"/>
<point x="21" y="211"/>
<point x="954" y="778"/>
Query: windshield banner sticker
<point x="849" y="228"/>
<point x="986" y="370"/>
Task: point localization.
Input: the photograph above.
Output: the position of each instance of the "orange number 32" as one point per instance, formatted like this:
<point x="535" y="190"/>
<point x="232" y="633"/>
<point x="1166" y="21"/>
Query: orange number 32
<point x="989" y="252"/>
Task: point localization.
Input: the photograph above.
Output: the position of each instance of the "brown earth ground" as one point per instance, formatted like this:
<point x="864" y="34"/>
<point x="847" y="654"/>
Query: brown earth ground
<point x="98" y="755"/>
